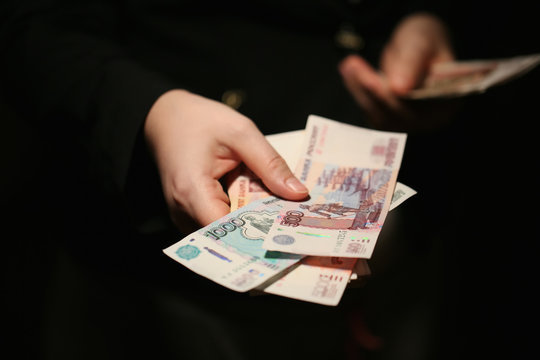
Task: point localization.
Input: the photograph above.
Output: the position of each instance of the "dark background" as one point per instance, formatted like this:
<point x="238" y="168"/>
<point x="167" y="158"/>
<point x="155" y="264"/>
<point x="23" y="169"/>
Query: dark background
<point x="474" y="215"/>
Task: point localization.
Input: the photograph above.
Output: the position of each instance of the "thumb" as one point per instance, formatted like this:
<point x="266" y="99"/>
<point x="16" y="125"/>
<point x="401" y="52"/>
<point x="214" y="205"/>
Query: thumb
<point x="259" y="156"/>
<point x="405" y="67"/>
<point x="419" y="41"/>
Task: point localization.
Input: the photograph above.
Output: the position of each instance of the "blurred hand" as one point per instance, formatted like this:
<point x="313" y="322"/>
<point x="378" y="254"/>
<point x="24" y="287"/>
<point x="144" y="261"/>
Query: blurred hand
<point x="195" y="141"/>
<point x="417" y="43"/>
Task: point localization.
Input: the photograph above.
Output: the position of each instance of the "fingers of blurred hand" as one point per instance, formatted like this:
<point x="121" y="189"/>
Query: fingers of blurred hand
<point x="354" y="69"/>
<point x="405" y="67"/>
<point x="369" y="88"/>
<point x="364" y="98"/>
<point x="418" y="41"/>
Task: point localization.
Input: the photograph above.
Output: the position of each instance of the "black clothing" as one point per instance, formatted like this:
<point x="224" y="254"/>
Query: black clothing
<point x="85" y="74"/>
<point x="93" y="68"/>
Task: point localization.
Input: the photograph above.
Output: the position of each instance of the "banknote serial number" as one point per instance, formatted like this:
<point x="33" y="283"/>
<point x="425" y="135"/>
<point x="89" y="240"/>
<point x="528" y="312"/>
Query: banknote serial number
<point x="292" y="218"/>
<point x="326" y="286"/>
<point x="224" y="228"/>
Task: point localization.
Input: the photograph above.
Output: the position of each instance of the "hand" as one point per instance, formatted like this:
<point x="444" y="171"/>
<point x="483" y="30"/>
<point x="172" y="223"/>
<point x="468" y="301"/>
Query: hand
<point x="196" y="141"/>
<point x="417" y="43"/>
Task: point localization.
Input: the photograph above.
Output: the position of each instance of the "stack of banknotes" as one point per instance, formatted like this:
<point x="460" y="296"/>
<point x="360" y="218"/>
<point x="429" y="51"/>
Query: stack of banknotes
<point x="314" y="249"/>
<point x="310" y="250"/>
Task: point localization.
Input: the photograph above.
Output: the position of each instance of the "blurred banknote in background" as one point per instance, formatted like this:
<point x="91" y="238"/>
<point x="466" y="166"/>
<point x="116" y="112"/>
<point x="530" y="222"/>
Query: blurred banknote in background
<point x="460" y="78"/>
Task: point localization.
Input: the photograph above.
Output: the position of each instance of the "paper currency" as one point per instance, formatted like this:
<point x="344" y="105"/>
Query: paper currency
<point x="351" y="173"/>
<point x="321" y="279"/>
<point x="229" y="251"/>
<point x="317" y="279"/>
<point x="245" y="187"/>
<point x="401" y="193"/>
<point x="288" y="145"/>
<point x="459" y="78"/>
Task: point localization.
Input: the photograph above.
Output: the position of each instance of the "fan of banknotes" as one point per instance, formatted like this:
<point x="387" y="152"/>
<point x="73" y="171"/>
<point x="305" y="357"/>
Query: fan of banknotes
<point x="310" y="250"/>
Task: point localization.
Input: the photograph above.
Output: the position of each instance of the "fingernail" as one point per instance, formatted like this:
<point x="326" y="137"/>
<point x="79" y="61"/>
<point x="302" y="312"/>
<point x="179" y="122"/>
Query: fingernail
<point x="295" y="185"/>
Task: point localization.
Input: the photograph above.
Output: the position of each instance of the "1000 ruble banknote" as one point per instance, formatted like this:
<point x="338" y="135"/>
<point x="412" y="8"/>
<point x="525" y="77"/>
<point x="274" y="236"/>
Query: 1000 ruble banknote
<point x="229" y="251"/>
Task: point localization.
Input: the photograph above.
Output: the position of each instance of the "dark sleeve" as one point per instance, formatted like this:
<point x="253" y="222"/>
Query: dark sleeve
<point x="65" y="68"/>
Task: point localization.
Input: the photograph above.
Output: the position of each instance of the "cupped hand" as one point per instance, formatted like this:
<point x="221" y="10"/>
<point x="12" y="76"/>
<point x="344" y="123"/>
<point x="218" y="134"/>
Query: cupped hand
<point x="418" y="42"/>
<point x="196" y="141"/>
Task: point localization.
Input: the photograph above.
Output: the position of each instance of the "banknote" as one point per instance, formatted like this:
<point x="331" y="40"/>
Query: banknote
<point x="229" y="251"/>
<point x="401" y="193"/>
<point x="351" y="173"/>
<point x="317" y="279"/>
<point x="244" y="187"/>
<point x="321" y="279"/>
<point x="459" y="78"/>
<point x="288" y="145"/>
<point x="314" y="278"/>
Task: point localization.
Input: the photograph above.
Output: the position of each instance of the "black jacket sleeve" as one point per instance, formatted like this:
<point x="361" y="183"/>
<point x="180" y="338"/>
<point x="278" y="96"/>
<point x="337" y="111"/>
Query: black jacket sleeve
<point x="65" y="68"/>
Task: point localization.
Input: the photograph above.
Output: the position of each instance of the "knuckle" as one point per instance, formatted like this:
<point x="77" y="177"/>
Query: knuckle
<point x="276" y="164"/>
<point x="241" y="126"/>
<point x="178" y="194"/>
